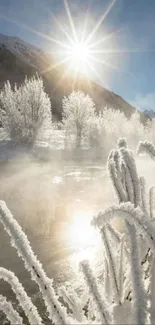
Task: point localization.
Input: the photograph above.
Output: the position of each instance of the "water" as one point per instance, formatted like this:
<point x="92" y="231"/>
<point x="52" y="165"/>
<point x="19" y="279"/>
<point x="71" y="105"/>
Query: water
<point x="54" y="203"/>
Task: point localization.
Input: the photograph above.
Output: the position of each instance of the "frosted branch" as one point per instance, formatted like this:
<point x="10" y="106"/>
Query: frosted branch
<point x="152" y="290"/>
<point x="130" y="163"/>
<point x="19" y="240"/>
<point x="11" y="314"/>
<point x="25" y="302"/>
<point x="132" y="215"/>
<point x="128" y="183"/>
<point x="94" y="291"/>
<point x="144" y="203"/>
<point x="116" y="237"/>
<point x="74" y="303"/>
<point x="111" y="264"/>
<point x="151" y="199"/>
<point x="121" y="275"/>
<point x="122" y="143"/>
<point x="146" y="147"/>
<point x="116" y="181"/>
<point x="139" y="301"/>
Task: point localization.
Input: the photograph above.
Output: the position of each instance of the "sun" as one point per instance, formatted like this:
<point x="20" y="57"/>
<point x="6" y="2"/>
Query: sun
<point x="79" y="57"/>
<point x="79" y="50"/>
<point x="79" y="53"/>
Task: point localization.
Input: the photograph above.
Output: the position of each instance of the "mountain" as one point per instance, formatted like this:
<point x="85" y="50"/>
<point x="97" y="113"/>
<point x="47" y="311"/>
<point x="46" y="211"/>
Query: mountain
<point x="149" y="113"/>
<point x="18" y="58"/>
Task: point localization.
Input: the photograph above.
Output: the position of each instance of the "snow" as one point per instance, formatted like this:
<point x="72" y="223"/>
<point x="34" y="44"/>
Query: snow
<point x="26" y="52"/>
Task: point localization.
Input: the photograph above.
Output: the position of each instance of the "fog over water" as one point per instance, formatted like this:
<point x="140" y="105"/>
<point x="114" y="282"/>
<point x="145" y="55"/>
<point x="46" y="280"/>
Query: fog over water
<point x="54" y="203"/>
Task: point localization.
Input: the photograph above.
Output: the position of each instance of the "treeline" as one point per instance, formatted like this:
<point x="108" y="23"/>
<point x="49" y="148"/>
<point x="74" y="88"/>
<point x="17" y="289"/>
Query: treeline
<point x="25" y="112"/>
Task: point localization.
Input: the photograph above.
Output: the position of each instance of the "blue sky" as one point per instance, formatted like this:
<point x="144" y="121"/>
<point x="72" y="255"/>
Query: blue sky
<point x="131" y="21"/>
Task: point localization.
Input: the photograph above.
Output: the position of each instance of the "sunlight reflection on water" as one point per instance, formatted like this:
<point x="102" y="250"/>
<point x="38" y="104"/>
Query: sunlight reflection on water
<point x="55" y="205"/>
<point x="80" y="233"/>
<point x="57" y="180"/>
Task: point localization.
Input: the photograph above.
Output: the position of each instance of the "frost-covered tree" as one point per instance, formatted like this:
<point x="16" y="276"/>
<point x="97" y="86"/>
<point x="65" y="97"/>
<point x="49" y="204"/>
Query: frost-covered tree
<point x="97" y="133"/>
<point x="116" y="125"/>
<point x="24" y="110"/>
<point x="78" y="111"/>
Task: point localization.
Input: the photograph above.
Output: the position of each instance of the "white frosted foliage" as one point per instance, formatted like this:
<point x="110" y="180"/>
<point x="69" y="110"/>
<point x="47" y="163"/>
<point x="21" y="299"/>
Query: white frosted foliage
<point x="11" y="314"/>
<point x="25" y="110"/>
<point x="25" y="302"/>
<point x="20" y="242"/>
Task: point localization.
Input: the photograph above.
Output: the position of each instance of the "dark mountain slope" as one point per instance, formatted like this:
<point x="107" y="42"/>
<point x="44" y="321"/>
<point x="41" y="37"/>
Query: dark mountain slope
<point x="18" y="59"/>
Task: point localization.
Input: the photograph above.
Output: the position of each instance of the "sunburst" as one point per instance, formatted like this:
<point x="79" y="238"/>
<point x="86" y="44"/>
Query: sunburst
<point x="80" y="54"/>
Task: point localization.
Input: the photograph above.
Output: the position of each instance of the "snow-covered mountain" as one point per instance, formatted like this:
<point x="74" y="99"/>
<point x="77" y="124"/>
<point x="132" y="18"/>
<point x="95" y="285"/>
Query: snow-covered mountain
<point x="28" y="53"/>
<point x="18" y="58"/>
<point x="150" y="113"/>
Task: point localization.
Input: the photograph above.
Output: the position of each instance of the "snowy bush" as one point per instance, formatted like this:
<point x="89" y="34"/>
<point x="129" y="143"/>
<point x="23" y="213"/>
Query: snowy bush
<point x="78" y="112"/>
<point x="117" y="125"/>
<point x="150" y="131"/>
<point x="97" y="133"/>
<point x="25" y="110"/>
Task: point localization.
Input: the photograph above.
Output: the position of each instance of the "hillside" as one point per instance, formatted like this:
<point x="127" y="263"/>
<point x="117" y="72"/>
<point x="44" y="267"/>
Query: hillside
<point x="17" y="59"/>
<point x="150" y="113"/>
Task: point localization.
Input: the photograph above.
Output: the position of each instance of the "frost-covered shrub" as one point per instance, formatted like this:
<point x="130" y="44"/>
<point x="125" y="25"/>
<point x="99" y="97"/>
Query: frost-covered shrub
<point x="25" y="110"/>
<point x="136" y="130"/>
<point x="150" y="131"/>
<point x="117" y="125"/>
<point x="96" y="133"/>
<point x="78" y="111"/>
<point x="83" y="127"/>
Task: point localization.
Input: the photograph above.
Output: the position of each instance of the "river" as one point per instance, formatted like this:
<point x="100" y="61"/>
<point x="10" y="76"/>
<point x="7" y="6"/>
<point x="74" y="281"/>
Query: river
<point x="54" y="203"/>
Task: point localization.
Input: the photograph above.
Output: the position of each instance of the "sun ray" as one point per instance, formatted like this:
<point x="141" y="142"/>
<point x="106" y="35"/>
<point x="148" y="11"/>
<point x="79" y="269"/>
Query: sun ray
<point x="118" y="51"/>
<point x="56" y="65"/>
<point x="108" y="64"/>
<point x="61" y="79"/>
<point x="102" y="40"/>
<point x="36" y="32"/>
<point x="85" y="70"/>
<point x="85" y="24"/>
<point x="100" y="21"/>
<point x="78" y="53"/>
<point x="62" y="28"/>
<point x="104" y="62"/>
<point x="70" y="20"/>
<point x="84" y="73"/>
<point x="88" y="77"/>
<point x="75" y="78"/>
<point x="95" y="72"/>
<point x="89" y="83"/>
